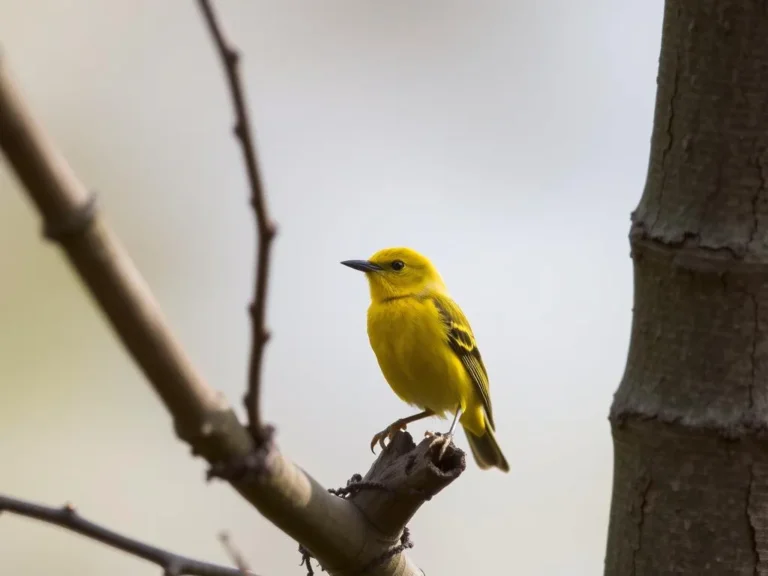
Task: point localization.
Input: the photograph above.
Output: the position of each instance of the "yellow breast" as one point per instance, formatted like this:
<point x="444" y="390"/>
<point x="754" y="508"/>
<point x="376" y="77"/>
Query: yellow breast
<point x="411" y="346"/>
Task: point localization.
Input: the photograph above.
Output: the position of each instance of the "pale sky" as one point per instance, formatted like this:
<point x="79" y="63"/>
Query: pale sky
<point x="508" y="141"/>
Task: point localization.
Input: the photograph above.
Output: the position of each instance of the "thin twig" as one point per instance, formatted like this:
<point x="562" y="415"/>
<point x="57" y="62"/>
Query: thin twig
<point x="265" y="228"/>
<point x="67" y="517"/>
<point x="234" y="554"/>
<point x="355" y="485"/>
<point x="306" y="559"/>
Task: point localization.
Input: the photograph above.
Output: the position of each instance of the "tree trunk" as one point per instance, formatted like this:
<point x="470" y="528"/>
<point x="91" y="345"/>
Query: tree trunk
<point x="690" y="493"/>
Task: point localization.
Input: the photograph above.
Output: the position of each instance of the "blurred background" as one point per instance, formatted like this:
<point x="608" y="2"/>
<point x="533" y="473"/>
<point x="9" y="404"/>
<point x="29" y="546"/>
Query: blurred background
<point x="506" y="140"/>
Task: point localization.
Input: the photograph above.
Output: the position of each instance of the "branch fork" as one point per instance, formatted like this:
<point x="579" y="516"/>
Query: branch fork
<point x="346" y="534"/>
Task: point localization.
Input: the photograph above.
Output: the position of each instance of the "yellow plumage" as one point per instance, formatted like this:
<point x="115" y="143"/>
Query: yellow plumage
<point x="426" y="349"/>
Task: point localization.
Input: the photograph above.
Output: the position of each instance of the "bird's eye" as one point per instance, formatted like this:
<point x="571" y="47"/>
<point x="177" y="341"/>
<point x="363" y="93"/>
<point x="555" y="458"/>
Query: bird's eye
<point x="398" y="265"/>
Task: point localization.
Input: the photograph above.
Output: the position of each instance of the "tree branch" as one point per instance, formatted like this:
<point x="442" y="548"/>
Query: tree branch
<point x="345" y="535"/>
<point x="67" y="517"/>
<point x="265" y="228"/>
<point x="235" y="555"/>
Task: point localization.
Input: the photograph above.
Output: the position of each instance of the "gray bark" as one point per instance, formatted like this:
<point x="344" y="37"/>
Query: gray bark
<point x="690" y="492"/>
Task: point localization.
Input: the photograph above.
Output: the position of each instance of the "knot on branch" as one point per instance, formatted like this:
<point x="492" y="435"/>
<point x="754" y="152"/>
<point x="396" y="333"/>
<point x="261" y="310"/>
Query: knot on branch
<point x="75" y="222"/>
<point x="174" y="568"/>
<point x="256" y="464"/>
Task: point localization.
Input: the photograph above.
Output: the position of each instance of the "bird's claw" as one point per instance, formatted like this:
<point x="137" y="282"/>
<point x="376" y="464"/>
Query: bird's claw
<point x="386" y="434"/>
<point x="439" y="438"/>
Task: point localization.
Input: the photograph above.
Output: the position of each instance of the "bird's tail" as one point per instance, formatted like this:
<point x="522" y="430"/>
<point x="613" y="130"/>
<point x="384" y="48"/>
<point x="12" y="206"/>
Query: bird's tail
<point x="486" y="450"/>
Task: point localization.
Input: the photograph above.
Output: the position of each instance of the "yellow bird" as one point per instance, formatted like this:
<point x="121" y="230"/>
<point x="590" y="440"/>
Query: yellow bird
<point x="427" y="351"/>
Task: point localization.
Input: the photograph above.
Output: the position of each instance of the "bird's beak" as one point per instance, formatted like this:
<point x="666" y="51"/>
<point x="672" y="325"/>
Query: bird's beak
<point x="363" y="265"/>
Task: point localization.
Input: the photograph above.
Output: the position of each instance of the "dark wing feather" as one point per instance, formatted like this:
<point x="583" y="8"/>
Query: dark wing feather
<point x="462" y="342"/>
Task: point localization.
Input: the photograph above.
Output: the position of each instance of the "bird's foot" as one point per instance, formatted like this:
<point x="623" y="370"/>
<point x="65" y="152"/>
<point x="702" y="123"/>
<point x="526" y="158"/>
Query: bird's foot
<point x="439" y="438"/>
<point x="386" y="434"/>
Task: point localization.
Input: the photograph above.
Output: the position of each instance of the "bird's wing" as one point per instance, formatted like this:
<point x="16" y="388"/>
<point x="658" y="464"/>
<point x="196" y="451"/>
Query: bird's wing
<point x="462" y="342"/>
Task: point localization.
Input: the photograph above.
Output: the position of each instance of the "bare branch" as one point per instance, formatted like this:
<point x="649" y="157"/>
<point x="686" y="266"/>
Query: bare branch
<point x="345" y="535"/>
<point x="234" y="554"/>
<point x="402" y="478"/>
<point x="265" y="228"/>
<point x="67" y="517"/>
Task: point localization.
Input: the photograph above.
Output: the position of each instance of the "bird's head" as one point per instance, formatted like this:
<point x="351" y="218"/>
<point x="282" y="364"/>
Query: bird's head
<point x="398" y="272"/>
